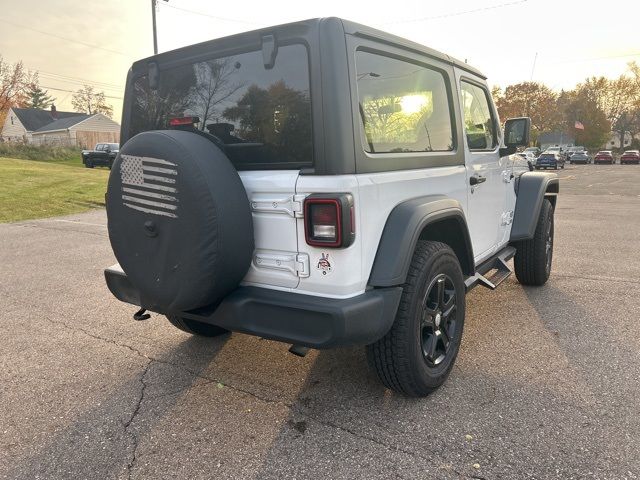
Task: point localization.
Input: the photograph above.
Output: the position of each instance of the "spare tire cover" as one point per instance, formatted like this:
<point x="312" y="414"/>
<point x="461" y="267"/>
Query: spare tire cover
<point x="179" y="220"/>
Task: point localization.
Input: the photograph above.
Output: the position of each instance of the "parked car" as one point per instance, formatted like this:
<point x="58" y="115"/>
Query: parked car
<point x="630" y="156"/>
<point x="559" y="150"/>
<point x="548" y="159"/>
<point x="528" y="157"/>
<point x="535" y="151"/>
<point x="604" y="156"/>
<point x="573" y="150"/>
<point x="580" y="157"/>
<point x="102" y="156"/>
<point x="307" y="216"/>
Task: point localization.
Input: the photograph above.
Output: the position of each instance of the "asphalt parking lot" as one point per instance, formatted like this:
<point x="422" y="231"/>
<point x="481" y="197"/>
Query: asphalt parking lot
<point x="547" y="383"/>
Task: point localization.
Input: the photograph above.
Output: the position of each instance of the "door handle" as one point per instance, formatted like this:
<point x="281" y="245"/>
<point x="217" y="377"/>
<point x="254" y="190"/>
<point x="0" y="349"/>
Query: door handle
<point x="476" y="179"/>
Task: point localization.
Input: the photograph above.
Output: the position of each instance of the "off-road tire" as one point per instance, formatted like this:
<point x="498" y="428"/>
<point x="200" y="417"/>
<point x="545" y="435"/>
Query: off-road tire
<point x="398" y="358"/>
<point x="196" y="328"/>
<point x="533" y="257"/>
<point x="88" y="164"/>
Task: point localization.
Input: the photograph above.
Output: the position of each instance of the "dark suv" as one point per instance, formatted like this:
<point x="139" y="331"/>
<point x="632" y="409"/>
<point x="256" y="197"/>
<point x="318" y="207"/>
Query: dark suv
<point x="550" y="160"/>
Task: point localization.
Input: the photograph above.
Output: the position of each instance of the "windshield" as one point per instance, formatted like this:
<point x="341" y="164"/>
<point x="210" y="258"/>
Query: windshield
<point x="262" y="116"/>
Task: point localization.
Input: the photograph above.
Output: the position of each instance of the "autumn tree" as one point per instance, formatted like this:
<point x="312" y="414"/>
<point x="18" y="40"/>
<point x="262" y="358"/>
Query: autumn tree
<point x="530" y="99"/>
<point x="87" y="100"/>
<point x="614" y="97"/>
<point x="12" y="84"/>
<point x="576" y="106"/>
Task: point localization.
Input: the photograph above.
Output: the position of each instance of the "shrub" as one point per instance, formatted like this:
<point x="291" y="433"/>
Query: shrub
<point x="42" y="153"/>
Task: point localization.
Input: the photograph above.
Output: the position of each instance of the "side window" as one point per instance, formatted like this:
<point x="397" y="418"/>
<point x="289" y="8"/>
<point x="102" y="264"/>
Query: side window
<point x="479" y="124"/>
<point x="404" y="107"/>
<point x="99" y="147"/>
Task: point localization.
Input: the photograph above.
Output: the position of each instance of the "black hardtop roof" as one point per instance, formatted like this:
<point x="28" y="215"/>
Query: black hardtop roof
<point x="349" y="27"/>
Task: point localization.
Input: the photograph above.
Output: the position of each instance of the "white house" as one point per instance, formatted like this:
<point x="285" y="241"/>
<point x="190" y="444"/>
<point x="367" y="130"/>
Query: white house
<point x="53" y="127"/>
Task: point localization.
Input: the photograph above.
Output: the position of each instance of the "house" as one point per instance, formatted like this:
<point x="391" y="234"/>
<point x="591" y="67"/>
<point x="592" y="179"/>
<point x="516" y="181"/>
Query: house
<point x="53" y="127"/>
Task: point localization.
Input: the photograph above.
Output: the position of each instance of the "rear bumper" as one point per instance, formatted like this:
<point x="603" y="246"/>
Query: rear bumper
<point x="315" y="322"/>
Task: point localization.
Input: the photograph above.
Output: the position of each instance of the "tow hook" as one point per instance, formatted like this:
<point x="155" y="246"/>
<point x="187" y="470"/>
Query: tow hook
<point x="140" y="315"/>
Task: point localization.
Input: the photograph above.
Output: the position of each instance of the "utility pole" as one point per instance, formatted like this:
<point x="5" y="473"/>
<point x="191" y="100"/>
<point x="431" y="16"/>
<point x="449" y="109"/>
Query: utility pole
<point x="153" y="20"/>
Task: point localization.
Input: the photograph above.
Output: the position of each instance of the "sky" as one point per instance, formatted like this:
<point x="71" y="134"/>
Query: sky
<point x="557" y="42"/>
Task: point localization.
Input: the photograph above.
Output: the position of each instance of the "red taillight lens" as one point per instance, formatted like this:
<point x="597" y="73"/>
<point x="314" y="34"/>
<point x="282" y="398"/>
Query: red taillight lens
<point x="329" y="220"/>
<point x="324" y="220"/>
<point x="180" y="121"/>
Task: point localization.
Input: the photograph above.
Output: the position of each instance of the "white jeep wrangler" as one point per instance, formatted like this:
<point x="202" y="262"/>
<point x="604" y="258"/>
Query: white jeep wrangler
<point x="324" y="184"/>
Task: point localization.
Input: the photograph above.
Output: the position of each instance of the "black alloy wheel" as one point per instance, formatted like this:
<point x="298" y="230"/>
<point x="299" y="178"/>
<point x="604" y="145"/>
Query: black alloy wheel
<point x="438" y="324"/>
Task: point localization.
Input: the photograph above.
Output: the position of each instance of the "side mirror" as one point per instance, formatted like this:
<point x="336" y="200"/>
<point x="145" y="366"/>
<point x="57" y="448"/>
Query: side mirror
<point x="517" y="131"/>
<point x="516" y="134"/>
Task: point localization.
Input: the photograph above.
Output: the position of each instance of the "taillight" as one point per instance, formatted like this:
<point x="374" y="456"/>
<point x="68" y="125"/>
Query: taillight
<point x="329" y="220"/>
<point x="182" y="121"/>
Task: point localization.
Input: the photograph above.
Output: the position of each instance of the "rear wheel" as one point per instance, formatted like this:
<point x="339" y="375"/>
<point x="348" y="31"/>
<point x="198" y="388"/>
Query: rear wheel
<point x="533" y="257"/>
<point x="196" y="328"/>
<point x="417" y="354"/>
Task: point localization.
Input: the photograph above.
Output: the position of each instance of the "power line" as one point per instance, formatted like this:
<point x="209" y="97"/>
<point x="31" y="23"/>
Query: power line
<point x="455" y="14"/>
<point x="225" y="19"/>
<point x="71" y="91"/>
<point x="72" y="77"/>
<point x="79" y="81"/>
<point x="90" y="45"/>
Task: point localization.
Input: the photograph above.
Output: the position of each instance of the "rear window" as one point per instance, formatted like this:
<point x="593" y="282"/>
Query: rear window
<point x="263" y="116"/>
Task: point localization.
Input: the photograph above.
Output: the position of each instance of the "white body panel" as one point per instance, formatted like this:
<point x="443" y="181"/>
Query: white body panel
<point x="274" y="231"/>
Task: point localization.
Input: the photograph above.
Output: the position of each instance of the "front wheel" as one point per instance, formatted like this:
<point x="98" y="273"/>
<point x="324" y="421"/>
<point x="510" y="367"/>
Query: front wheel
<point x="88" y="164"/>
<point x="417" y="354"/>
<point x="196" y="328"/>
<point x="533" y="257"/>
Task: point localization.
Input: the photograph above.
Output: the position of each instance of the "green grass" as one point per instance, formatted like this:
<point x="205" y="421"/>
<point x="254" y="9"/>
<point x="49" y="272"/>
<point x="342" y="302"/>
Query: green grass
<point x="38" y="189"/>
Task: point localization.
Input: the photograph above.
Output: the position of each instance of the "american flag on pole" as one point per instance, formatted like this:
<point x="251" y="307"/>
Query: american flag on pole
<point x="578" y="125"/>
<point x="149" y="185"/>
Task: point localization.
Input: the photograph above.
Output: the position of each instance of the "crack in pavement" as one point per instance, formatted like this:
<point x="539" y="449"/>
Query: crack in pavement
<point x="134" y="437"/>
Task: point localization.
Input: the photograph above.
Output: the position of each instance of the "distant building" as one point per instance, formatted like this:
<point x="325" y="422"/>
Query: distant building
<point x="553" y="139"/>
<point x="53" y="127"/>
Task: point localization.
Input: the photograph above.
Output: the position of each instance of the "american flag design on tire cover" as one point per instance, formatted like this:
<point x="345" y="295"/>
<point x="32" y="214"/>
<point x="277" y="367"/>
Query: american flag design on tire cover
<point x="149" y="185"/>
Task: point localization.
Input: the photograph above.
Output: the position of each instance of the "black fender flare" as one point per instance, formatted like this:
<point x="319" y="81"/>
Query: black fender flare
<point x="531" y="190"/>
<point x="408" y="222"/>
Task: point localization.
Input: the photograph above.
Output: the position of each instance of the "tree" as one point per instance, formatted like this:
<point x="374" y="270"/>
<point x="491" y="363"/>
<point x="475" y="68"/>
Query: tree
<point x="88" y="101"/>
<point x="12" y="83"/>
<point x="277" y="116"/>
<point x="577" y="106"/>
<point x="35" y="96"/>
<point x="613" y="97"/>
<point x="530" y="99"/>
<point x="214" y="85"/>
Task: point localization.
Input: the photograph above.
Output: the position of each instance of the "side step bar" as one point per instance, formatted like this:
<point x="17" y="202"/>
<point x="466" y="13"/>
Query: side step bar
<point x="498" y="263"/>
